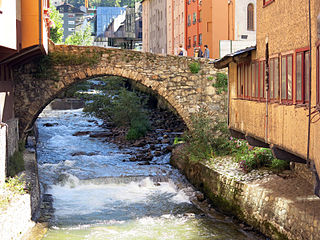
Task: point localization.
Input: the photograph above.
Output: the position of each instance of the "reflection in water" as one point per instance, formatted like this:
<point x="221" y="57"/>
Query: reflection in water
<point x="103" y="196"/>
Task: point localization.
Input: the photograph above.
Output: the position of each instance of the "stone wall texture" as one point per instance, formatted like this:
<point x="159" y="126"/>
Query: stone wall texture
<point x="279" y="208"/>
<point x="167" y="76"/>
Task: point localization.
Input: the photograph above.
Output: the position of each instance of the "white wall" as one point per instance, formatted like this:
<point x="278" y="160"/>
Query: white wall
<point x="8" y="27"/>
<point x="3" y="153"/>
<point x="241" y="20"/>
<point x="228" y="46"/>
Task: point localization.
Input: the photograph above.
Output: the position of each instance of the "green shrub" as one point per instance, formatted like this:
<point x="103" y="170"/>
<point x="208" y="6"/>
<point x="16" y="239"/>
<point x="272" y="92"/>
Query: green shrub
<point x="206" y="138"/>
<point x="138" y="129"/>
<point x="279" y="165"/>
<point x="194" y="67"/>
<point x="121" y="106"/>
<point x="221" y="83"/>
<point x="16" y="162"/>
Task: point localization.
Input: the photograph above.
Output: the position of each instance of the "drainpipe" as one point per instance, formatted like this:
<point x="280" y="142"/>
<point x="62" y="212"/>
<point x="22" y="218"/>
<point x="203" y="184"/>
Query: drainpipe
<point x="309" y="116"/>
<point x="40" y="18"/>
<point x="267" y="89"/>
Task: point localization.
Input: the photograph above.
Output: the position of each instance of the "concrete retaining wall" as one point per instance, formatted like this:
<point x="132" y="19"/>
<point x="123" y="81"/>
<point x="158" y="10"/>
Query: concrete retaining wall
<point x="3" y="153"/>
<point x="280" y="208"/>
<point x="16" y="220"/>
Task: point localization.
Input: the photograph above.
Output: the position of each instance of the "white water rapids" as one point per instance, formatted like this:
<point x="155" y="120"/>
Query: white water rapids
<point x="99" y="194"/>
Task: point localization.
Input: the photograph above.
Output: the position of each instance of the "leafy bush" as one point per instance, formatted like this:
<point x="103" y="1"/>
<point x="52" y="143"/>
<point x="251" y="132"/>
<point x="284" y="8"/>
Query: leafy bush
<point x="122" y="107"/>
<point x="194" y="67"/>
<point x="16" y="162"/>
<point x="221" y="83"/>
<point x="138" y="129"/>
<point x="255" y="158"/>
<point x="279" y="165"/>
<point x="206" y="138"/>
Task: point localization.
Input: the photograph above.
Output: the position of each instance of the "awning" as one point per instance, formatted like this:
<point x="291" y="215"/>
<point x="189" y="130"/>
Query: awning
<point x="237" y="56"/>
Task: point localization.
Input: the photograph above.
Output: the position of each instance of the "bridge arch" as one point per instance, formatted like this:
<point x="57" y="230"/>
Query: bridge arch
<point x="38" y="83"/>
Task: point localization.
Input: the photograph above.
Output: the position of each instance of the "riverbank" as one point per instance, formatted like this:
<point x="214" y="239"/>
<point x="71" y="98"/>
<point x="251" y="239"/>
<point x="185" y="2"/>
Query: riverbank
<point x="282" y="206"/>
<point x="17" y="218"/>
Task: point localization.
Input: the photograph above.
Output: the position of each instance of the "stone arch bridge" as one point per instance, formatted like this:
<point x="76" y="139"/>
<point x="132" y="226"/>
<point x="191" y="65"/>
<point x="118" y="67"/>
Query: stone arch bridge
<point x="38" y="83"/>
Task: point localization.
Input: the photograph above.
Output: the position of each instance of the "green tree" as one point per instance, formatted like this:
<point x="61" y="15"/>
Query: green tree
<point x="82" y="37"/>
<point x="56" y="31"/>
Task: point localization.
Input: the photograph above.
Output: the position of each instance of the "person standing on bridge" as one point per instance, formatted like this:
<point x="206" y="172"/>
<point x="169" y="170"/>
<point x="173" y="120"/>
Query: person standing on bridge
<point x="181" y="51"/>
<point x="206" y="52"/>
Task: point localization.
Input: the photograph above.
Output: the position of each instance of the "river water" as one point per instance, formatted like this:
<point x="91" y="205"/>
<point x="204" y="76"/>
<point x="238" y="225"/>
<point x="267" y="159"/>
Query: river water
<point x="99" y="194"/>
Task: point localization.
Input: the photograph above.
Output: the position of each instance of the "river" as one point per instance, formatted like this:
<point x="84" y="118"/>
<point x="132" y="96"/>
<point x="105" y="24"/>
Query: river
<point x="99" y="194"/>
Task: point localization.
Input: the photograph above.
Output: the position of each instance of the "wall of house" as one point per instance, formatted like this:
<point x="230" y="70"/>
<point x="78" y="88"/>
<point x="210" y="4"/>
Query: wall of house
<point x="145" y="25"/>
<point x="30" y="26"/>
<point x="206" y="25"/>
<point x="154" y="26"/>
<point x="170" y="28"/>
<point x="194" y="28"/>
<point x="240" y="25"/>
<point x="8" y="25"/>
<point x="158" y="26"/>
<point x="287" y="125"/>
<point x="220" y="30"/>
<point x="179" y="24"/>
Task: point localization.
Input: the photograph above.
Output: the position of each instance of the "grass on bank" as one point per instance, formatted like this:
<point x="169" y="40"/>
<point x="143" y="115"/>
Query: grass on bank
<point x="207" y="139"/>
<point x="12" y="187"/>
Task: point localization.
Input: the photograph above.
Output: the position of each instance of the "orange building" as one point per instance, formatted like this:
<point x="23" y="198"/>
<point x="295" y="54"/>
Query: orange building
<point x="193" y="32"/>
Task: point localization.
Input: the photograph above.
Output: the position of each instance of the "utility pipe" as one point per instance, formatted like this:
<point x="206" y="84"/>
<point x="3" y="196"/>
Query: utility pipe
<point x="309" y="105"/>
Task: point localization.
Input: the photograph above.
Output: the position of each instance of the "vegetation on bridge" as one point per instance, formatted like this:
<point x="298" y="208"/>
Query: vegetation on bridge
<point x="45" y="64"/>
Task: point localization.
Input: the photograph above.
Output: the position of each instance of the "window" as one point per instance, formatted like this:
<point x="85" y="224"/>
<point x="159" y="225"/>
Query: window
<point x="195" y="40"/>
<point x="189" y="20"/>
<point x="194" y="20"/>
<point x="302" y="76"/>
<point x="250" y="17"/>
<point x="70" y="29"/>
<point x="286" y="78"/>
<point x="189" y="42"/>
<point x="244" y="78"/>
<point x="71" y="22"/>
<point x="200" y="39"/>
<point x="71" y="15"/>
<point x="267" y="2"/>
<point x="274" y="78"/>
<point x="262" y="86"/>
<point x="200" y="16"/>
<point x="239" y="88"/>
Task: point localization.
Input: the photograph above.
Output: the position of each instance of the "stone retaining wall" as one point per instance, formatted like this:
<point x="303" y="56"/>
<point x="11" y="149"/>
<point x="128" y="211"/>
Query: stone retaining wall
<point x="280" y="208"/>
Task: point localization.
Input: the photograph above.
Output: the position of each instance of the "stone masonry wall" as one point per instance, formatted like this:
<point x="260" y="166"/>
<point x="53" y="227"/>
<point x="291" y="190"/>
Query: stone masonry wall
<point x="280" y="208"/>
<point x="168" y="76"/>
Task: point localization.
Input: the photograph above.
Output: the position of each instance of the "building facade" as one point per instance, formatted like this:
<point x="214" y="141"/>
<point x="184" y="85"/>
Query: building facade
<point x="269" y="86"/>
<point x="154" y="26"/>
<point x="72" y="17"/>
<point x="24" y="27"/>
<point x="193" y="36"/>
<point x="241" y="27"/>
